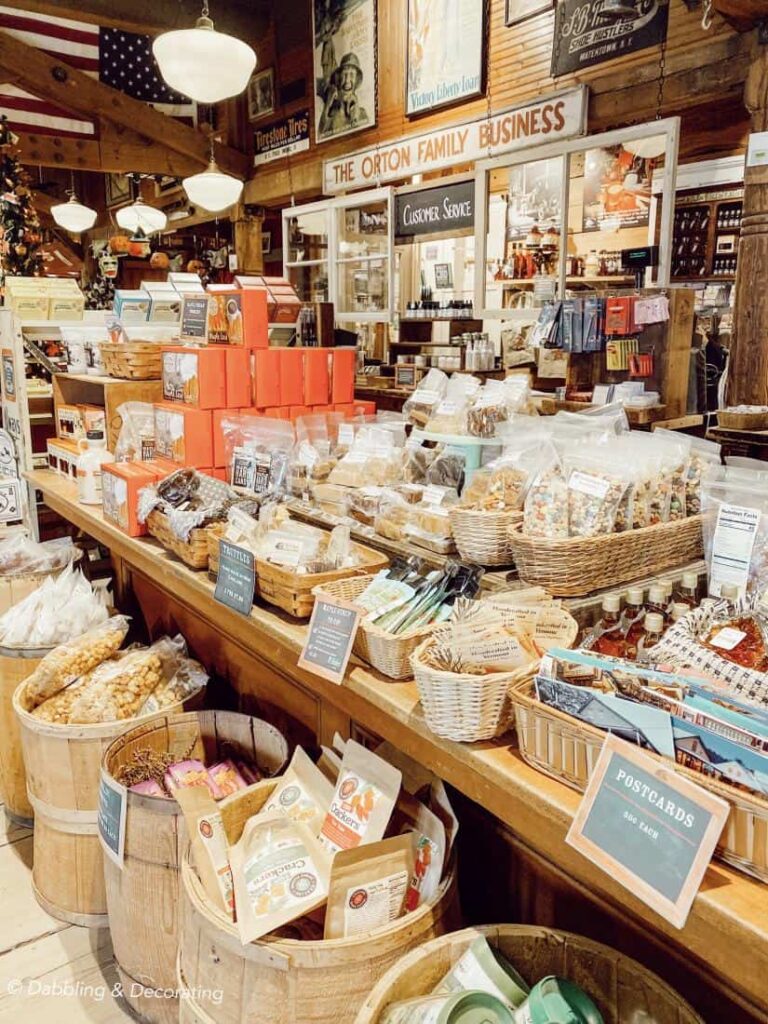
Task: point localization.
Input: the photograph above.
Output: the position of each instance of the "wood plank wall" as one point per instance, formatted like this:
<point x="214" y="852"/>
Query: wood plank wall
<point x="703" y="68"/>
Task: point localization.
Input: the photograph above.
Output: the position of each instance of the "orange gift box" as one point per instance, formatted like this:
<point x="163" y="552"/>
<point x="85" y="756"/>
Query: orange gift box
<point x="183" y="434"/>
<point x="194" y="375"/>
<point x="220" y="473"/>
<point x="282" y="303"/>
<point x="238" y="364"/>
<point x="317" y="388"/>
<point x="365" y="408"/>
<point x="237" y="316"/>
<point x="291" y="376"/>
<point x="348" y="408"/>
<point x="120" y="486"/>
<point x="266" y="378"/>
<point x="343" y="385"/>
<point x="299" y="410"/>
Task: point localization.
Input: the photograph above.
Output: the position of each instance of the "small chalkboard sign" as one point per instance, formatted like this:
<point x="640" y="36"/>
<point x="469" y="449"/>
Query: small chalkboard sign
<point x="649" y="827"/>
<point x="331" y="635"/>
<point x="194" y="318"/>
<point x="236" y="580"/>
<point x="112" y="807"/>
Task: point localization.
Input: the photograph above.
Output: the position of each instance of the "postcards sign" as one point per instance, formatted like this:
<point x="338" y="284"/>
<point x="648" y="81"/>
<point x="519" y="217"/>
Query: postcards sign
<point x="548" y="119"/>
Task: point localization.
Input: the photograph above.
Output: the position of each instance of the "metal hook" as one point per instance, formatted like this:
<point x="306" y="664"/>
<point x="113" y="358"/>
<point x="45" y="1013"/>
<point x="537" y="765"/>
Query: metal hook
<point x="706" y="18"/>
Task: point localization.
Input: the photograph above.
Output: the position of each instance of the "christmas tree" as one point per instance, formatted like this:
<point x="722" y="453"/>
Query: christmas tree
<point x="20" y="235"/>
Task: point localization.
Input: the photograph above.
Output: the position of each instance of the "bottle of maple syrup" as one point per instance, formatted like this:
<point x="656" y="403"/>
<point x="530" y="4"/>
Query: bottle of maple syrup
<point x="657" y="601"/>
<point x="632" y="620"/>
<point x="679" y="609"/>
<point x="653" y="630"/>
<point x="610" y="639"/>
<point x="689" y="590"/>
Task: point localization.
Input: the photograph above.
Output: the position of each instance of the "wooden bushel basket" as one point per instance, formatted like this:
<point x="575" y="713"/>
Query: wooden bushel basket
<point x="132" y="360"/>
<point x="625" y="992"/>
<point x="143" y="897"/>
<point x="287" y="981"/>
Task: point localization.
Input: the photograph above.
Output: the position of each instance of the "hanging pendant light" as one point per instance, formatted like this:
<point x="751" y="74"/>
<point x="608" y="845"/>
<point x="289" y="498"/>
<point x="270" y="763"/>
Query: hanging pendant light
<point x="73" y="216"/>
<point x="647" y="148"/>
<point x="206" y="65"/>
<point x="617" y="10"/>
<point x="212" y="189"/>
<point x="141" y="215"/>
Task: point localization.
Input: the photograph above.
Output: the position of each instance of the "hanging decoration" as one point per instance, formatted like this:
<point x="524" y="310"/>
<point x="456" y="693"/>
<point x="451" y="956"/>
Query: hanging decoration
<point x="20" y="236"/>
<point x="212" y="190"/>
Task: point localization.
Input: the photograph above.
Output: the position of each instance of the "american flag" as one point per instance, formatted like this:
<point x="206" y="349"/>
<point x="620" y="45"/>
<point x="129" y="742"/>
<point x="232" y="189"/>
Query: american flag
<point x="117" y="58"/>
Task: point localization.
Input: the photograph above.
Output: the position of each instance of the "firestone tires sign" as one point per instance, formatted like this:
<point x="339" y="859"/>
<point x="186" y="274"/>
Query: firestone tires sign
<point x="548" y="119"/>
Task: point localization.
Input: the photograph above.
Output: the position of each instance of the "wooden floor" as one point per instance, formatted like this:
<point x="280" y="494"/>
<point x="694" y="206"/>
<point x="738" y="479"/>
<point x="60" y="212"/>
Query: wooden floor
<point x="40" y="956"/>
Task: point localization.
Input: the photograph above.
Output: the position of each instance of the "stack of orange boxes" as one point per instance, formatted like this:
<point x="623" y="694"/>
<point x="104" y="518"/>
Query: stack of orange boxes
<point x="121" y="483"/>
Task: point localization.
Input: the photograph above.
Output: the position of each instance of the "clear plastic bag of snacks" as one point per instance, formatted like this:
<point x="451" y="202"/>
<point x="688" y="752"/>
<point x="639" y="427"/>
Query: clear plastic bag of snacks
<point x="372" y="460"/>
<point x="502" y="485"/>
<point x="73" y="659"/>
<point x="60" y="609"/>
<point x="136" y="440"/>
<point x="735" y="529"/>
<point x="449" y="415"/>
<point x="546" y="503"/>
<point x="20" y="556"/>
<point x="393" y="515"/>
<point x="447" y="470"/>
<point x="363" y="504"/>
<point x="416" y="461"/>
<point x="258" y="451"/>
<point x="490" y="407"/>
<point x="418" y="408"/>
<point x="597" y="491"/>
<point x="704" y="458"/>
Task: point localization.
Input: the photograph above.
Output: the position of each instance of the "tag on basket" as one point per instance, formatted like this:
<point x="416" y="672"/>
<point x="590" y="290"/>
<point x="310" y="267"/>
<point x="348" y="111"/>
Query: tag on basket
<point x="330" y="637"/>
<point x="113" y="800"/>
<point x="236" y="580"/>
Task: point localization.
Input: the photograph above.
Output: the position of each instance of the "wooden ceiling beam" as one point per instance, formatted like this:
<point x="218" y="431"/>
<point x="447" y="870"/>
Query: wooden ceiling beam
<point x="247" y="19"/>
<point x="113" y="152"/>
<point x="53" y="80"/>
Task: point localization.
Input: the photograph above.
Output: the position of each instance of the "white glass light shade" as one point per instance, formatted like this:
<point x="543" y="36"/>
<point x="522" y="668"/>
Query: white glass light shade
<point x="647" y="148"/>
<point x="73" y="216"/>
<point x="206" y="65"/>
<point x="141" y="215"/>
<point x="212" y="190"/>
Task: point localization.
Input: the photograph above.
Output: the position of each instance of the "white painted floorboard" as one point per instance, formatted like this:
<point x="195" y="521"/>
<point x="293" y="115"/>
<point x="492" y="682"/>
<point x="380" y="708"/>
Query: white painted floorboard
<point x="50" y="972"/>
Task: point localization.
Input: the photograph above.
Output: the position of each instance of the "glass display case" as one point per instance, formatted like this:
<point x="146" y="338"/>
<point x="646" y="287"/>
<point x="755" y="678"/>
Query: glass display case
<point x="306" y="231"/>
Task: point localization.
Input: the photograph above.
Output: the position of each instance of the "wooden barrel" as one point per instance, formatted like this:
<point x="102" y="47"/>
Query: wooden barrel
<point x="63" y="766"/>
<point x="624" y="990"/>
<point x="16" y="663"/>
<point x="143" y="897"/>
<point x="286" y="981"/>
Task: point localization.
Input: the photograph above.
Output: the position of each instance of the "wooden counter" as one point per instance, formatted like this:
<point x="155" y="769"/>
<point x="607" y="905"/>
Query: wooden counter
<point x="725" y="942"/>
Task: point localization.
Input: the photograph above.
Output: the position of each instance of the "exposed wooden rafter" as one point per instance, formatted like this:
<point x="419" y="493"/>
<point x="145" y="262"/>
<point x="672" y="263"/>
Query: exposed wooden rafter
<point x="53" y="80"/>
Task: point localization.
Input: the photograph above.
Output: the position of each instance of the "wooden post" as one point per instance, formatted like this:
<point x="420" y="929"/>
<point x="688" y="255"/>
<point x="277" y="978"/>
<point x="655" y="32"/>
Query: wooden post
<point x="748" y="368"/>
<point x="247" y="241"/>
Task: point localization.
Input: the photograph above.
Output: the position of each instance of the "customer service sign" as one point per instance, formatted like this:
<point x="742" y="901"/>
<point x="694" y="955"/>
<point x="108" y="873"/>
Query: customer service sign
<point x="560" y="116"/>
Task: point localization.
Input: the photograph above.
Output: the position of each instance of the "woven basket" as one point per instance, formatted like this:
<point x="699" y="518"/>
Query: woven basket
<point x="132" y="360"/>
<point x="624" y="990"/>
<point x="460" y="706"/>
<point x="484" y="537"/>
<point x="390" y="655"/>
<point x="567" y="749"/>
<point x="575" y="566"/>
<point x="193" y="552"/>
<point x="742" y="420"/>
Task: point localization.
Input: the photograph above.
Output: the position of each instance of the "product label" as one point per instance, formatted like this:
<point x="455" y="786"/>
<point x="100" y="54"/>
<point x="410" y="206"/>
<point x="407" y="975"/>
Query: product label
<point x="211" y="831"/>
<point x="727" y="638"/>
<point x="180" y="377"/>
<point x="732" y="547"/>
<point x="346" y="433"/>
<point x="415" y="1011"/>
<point x="115" y="499"/>
<point x="281" y="876"/>
<point x="294" y="801"/>
<point x="286" y="551"/>
<point x="351" y="807"/>
<point x="433" y="495"/>
<point x="376" y="904"/>
<point x="585" y="483"/>
<point x="468" y="975"/>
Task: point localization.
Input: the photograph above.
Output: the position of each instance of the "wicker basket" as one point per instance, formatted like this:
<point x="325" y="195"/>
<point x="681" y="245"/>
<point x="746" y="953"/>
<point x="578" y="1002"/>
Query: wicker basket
<point x="484" y="537"/>
<point x="460" y="706"/>
<point x="623" y="989"/>
<point x="193" y="552"/>
<point x="388" y="654"/>
<point x="575" y="566"/>
<point x="742" y="420"/>
<point x="567" y="749"/>
<point x="132" y="360"/>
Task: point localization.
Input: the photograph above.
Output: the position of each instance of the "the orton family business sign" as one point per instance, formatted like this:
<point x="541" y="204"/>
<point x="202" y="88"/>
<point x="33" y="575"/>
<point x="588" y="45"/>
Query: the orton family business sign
<point x="548" y="119"/>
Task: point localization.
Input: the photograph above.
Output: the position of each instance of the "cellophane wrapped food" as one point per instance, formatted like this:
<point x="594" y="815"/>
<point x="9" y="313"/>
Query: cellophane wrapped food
<point x="392" y="516"/>
<point x="597" y="492"/>
<point x="258" y="451"/>
<point x="432" y="388"/>
<point x="136" y="440"/>
<point x="75" y="658"/>
<point x="417" y="458"/>
<point x="317" y="450"/>
<point x="546" y="503"/>
<point x="449" y="415"/>
<point x="62" y="608"/>
<point x="502" y="485"/>
<point x="373" y="459"/>
<point x="20" y="556"/>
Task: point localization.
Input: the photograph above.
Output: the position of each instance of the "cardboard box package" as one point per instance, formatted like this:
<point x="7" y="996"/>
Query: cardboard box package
<point x="317" y="378"/>
<point x="237" y="317"/>
<point x="266" y="378"/>
<point x="238" y="366"/>
<point x="282" y="302"/>
<point x="184" y="434"/>
<point x="343" y="380"/>
<point x="291" y="367"/>
<point x="120" y="486"/>
<point x="62" y="456"/>
<point x="195" y="375"/>
<point x="132" y="305"/>
<point x="165" y="301"/>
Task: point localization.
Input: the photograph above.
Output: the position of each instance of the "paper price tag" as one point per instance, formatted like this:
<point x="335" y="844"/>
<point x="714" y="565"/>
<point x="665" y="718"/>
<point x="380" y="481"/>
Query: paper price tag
<point x="236" y="581"/>
<point x="330" y="637"/>
<point x="113" y="799"/>
<point x="727" y="638"/>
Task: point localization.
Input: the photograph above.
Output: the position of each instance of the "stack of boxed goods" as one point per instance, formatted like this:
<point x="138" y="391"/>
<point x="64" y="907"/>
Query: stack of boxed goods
<point x="156" y="301"/>
<point x="73" y="424"/>
<point x="44" y="298"/>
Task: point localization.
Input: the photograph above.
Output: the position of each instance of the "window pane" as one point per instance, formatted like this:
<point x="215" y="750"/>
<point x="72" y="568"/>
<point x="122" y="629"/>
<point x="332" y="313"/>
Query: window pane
<point x="307" y="237"/>
<point x="363" y="286"/>
<point x="363" y="230"/>
<point x="311" y="283"/>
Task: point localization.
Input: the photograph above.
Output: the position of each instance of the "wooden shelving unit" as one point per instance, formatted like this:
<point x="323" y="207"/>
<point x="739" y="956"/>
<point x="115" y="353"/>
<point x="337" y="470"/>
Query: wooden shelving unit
<point x="83" y="389"/>
<point x="704" y="220"/>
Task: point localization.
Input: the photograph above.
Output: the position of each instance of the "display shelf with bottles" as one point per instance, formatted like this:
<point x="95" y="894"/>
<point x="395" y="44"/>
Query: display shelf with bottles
<point x="705" y="241"/>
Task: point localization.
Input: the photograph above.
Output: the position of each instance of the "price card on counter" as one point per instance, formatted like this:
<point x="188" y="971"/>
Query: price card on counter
<point x="194" y="318"/>
<point x="236" y="581"/>
<point x="331" y="635"/>
<point x="112" y="806"/>
<point x="647" y="826"/>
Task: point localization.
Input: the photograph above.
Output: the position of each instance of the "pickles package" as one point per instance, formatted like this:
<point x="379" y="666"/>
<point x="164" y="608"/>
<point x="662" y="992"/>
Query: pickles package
<point x="303" y="793"/>
<point x="368" y="887"/>
<point x="366" y="792"/>
<point x="209" y="847"/>
<point x="280" y="872"/>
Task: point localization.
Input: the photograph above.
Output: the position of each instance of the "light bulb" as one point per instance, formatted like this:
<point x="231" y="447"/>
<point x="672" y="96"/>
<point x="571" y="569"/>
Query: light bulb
<point x="213" y="190"/>
<point x="73" y="216"/>
<point x="206" y="65"/>
<point x="141" y="215"/>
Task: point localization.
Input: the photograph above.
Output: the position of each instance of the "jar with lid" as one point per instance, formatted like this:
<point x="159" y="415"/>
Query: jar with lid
<point x="653" y="630"/>
<point x="93" y="455"/>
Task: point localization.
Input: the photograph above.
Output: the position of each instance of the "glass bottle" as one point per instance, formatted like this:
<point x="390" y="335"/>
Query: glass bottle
<point x="657" y="601"/>
<point x="679" y="609"/>
<point x="668" y="586"/>
<point x="689" y="590"/>
<point x="611" y="636"/>
<point x="632" y="620"/>
<point x="653" y="629"/>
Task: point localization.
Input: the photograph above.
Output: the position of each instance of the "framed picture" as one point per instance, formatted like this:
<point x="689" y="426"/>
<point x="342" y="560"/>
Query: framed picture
<point x="575" y="20"/>
<point x="266" y="243"/>
<point x="261" y="94"/>
<point x="445" y="58"/>
<point x="521" y="10"/>
<point x="117" y="188"/>
<point x="344" y="53"/>
<point x="168" y="186"/>
<point x="443" y="275"/>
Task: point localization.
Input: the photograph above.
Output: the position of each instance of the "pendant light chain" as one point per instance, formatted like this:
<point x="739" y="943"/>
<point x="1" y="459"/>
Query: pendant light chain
<point x="488" y="110"/>
<point x="662" y="73"/>
<point x="557" y="41"/>
<point x="206" y="11"/>
<point x="376" y="111"/>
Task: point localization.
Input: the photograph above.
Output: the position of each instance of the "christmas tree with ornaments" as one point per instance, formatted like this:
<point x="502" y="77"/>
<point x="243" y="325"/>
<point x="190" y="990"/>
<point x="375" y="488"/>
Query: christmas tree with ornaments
<point x="20" y="235"/>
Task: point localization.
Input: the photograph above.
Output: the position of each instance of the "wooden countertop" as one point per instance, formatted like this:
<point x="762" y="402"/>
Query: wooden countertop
<point x="727" y="931"/>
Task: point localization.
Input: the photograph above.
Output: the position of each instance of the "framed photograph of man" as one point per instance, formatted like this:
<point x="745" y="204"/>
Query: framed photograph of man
<point x="344" y="34"/>
<point x="261" y="94"/>
<point x="522" y="10"/>
<point x="445" y="58"/>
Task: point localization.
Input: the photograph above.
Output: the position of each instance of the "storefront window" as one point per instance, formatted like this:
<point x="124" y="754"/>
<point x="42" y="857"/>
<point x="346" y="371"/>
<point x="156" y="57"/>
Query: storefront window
<point x="363" y="253"/>
<point x="305" y="238"/>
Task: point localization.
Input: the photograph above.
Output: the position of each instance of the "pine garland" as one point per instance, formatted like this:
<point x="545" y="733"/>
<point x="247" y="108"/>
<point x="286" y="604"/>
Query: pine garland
<point x="20" y="235"/>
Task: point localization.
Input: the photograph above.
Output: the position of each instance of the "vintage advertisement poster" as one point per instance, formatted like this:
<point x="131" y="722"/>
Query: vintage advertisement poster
<point x="535" y="191"/>
<point x="617" y="189"/>
<point x="445" y="53"/>
<point x="583" y="38"/>
<point x="281" y="138"/>
<point x="345" y="66"/>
